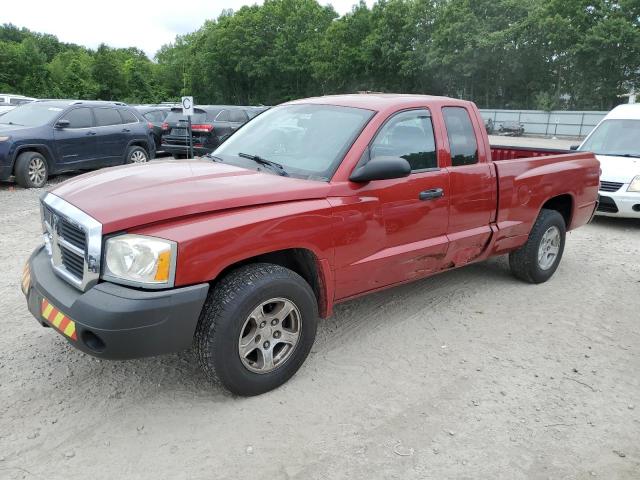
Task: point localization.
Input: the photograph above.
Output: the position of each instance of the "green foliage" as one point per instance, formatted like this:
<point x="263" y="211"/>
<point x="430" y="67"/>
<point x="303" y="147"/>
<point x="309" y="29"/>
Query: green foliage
<point x="499" y="53"/>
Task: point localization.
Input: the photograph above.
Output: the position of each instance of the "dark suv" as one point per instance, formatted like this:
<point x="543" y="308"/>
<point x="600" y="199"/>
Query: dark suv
<point x="210" y="126"/>
<point x="155" y="115"/>
<point x="52" y="136"/>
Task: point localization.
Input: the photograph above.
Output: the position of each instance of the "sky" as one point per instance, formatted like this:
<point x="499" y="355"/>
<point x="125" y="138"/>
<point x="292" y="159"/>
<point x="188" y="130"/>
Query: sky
<point x="144" y="24"/>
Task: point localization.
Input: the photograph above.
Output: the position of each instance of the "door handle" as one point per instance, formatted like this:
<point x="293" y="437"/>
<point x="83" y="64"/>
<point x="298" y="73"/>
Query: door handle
<point x="431" y="194"/>
<point x="126" y="130"/>
<point x="91" y="133"/>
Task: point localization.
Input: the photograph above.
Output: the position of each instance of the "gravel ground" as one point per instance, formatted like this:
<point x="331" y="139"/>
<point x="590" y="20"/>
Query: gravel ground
<point x="470" y="374"/>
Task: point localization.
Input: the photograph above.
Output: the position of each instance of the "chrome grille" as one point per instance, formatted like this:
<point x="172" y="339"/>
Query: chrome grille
<point x="73" y="240"/>
<point x="610" y="186"/>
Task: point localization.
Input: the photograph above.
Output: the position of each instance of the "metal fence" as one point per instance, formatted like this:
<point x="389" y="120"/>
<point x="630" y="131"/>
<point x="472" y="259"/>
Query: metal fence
<point x="574" y="124"/>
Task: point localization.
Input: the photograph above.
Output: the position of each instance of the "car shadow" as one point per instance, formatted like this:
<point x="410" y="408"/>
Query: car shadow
<point x="180" y="375"/>
<point x="617" y="223"/>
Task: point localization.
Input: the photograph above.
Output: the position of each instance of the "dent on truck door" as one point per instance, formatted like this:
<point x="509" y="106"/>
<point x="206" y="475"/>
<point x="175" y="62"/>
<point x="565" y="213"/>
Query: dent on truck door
<point x="473" y="186"/>
<point x="395" y="230"/>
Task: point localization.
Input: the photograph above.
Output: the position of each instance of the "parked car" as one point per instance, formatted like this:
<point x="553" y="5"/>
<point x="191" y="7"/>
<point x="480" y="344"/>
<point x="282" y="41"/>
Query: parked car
<point x="14" y="100"/>
<point x="210" y="126"/>
<point x="514" y="129"/>
<point x="47" y="137"/>
<point x="314" y="202"/>
<point x="615" y="143"/>
<point x="155" y="115"/>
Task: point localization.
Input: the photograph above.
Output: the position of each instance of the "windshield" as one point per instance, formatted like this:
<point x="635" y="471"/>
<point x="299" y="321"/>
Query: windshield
<point x="615" y="137"/>
<point x="31" y="114"/>
<point x="309" y="141"/>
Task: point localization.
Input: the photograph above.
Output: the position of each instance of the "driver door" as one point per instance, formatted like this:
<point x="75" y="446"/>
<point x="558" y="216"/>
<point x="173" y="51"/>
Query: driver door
<point x="414" y="212"/>
<point x="76" y="144"/>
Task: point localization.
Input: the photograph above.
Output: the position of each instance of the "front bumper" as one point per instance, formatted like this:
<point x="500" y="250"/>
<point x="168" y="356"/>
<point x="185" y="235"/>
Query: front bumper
<point x="619" y="204"/>
<point x="113" y="321"/>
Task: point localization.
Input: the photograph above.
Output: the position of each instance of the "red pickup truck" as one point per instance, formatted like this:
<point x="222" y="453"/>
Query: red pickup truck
<point x="313" y="202"/>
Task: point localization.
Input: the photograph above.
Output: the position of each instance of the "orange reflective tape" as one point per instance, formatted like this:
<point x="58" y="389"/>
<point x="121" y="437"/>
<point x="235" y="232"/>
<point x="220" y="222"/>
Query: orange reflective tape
<point x="57" y="319"/>
<point x="63" y="324"/>
<point x="47" y="311"/>
<point x="70" y="330"/>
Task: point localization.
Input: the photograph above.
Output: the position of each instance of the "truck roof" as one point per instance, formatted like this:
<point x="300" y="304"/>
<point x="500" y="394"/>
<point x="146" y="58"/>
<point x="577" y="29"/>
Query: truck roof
<point x="628" y="111"/>
<point x="380" y="101"/>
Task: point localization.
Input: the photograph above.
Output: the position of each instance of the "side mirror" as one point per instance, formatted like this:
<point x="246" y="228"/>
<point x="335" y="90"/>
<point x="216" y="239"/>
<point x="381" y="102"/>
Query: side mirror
<point x="381" y="168"/>
<point x="574" y="147"/>
<point x="62" y="123"/>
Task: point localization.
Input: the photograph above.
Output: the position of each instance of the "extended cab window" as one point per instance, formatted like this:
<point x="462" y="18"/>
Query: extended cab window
<point x="79" y="118"/>
<point x="408" y="135"/>
<point x="462" y="138"/>
<point x="107" y="116"/>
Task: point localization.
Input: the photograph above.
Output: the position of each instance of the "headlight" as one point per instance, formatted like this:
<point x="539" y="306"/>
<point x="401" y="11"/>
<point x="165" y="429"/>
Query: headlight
<point x="140" y="261"/>
<point x="634" y="186"/>
<point x="4" y="138"/>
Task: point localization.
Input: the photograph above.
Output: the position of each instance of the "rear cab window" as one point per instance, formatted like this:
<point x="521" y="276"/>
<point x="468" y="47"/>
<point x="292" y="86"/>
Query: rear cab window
<point x="408" y="135"/>
<point x="462" y="138"/>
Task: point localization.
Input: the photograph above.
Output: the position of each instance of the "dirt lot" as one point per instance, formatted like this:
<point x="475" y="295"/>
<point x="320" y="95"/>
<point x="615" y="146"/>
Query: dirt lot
<point x="468" y="375"/>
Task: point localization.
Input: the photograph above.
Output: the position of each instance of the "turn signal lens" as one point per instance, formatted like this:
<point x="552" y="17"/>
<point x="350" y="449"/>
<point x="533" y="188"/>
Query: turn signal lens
<point x="163" y="267"/>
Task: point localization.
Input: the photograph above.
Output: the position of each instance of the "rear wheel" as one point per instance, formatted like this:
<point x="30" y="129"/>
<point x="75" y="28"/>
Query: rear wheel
<point x="31" y="170"/>
<point x="256" y="328"/>
<point x="537" y="260"/>
<point x="137" y="154"/>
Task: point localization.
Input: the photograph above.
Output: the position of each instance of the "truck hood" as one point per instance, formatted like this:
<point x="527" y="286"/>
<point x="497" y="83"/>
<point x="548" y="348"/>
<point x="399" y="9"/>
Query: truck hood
<point x="134" y="195"/>
<point x="618" y="169"/>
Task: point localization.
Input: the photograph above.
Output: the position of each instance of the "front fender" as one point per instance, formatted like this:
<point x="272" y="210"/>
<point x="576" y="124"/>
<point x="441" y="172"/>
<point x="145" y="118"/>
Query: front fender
<point x="211" y="243"/>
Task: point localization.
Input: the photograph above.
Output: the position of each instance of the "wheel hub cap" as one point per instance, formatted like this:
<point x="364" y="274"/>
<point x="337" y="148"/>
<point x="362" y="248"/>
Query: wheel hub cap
<point x="37" y="171"/>
<point x="549" y="248"/>
<point x="269" y="335"/>
<point x="138" y="157"/>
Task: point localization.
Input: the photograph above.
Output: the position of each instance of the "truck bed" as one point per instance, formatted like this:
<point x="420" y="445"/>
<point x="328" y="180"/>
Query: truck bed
<point x="504" y="152"/>
<point x="528" y="178"/>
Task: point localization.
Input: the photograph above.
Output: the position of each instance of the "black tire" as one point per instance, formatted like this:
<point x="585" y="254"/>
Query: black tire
<point x="137" y="154"/>
<point x="525" y="263"/>
<point x="225" y="312"/>
<point x="31" y="170"/>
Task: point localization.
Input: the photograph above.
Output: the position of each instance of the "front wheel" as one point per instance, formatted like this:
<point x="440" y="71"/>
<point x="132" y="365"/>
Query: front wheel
<point x="537" y="260"/>
<point x="31" y="170"/>
<point x="256" y="328"/>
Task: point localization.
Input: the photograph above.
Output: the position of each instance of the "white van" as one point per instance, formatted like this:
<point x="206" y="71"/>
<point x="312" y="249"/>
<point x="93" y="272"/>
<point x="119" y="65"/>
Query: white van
<point x="9" y="101"/>
<point x="616" y="143"/>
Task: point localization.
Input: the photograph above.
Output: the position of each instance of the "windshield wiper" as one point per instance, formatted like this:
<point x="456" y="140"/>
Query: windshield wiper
<point x="627" y="155"/>
<point x="213" y="157"/>
<point x="279" y="169"/>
